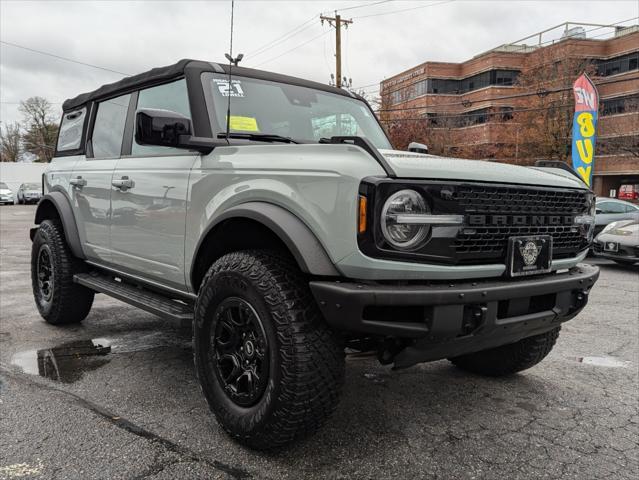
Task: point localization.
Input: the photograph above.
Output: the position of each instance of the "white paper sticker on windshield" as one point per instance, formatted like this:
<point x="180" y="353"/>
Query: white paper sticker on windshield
<point x="234" y="91"/>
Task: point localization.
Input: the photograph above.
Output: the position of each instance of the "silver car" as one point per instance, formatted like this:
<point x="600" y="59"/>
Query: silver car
<point x="29" y="193"/>
<point x="612" y="210"/>
<point x="619" y="241"/>
<point x="290" y="229"/>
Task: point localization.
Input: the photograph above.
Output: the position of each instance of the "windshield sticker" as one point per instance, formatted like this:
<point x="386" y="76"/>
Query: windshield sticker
<point x="245" y="124"/>
<point x="236" y="89"/>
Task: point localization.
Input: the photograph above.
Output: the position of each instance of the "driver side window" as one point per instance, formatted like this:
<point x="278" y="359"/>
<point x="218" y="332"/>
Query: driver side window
<point x="170" y="96"/>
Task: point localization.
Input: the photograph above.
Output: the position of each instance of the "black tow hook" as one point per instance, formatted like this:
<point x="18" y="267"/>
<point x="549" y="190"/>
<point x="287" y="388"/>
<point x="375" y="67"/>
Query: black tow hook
<point x="581" y="299"/>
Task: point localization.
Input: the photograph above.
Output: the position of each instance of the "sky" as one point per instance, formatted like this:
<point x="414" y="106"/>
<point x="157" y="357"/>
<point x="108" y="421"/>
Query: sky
<point x="385" y="38"/>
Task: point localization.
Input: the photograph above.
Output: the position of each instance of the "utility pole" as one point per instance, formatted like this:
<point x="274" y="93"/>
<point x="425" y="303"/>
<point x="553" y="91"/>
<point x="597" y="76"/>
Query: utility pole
<point x="337" y="22"/>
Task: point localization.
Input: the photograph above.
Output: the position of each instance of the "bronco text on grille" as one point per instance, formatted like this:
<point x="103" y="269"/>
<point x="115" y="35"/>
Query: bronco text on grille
<point x="495" y="213"/>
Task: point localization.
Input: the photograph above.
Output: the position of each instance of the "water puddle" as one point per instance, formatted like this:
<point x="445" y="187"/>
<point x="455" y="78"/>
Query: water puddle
<point x="609" y="362"/>
<point x="67" y="362"/>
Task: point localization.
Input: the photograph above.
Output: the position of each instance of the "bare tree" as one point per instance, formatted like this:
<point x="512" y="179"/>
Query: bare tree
<point x="546" y="126"/>
<point x="41" y="130"/>
<point x="10" y="142"/>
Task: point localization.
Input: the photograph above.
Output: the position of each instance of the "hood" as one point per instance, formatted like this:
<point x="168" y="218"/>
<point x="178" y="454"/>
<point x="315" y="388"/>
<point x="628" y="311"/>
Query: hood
<point x="32" y="192"/>
<point x="5" y="191"/>
<point x="416" y="165"/>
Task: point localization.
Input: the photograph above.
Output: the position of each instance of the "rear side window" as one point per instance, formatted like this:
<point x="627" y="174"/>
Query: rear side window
<point x="71" y="129"/>
<point x="108" y="128"/>
<point x="170" y="96"/>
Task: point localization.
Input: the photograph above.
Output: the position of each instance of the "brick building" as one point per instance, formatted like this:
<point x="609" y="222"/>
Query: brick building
<point x="515" y="104"/>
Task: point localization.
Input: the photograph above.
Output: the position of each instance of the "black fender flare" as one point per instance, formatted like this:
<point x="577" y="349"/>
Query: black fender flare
<point x="62" y="205"/>
<point x="307" y="250"/>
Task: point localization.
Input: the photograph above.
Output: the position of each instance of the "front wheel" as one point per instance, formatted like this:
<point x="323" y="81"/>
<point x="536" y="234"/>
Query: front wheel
<point x="59" y="300"/>
<point x="509" y="359"/>
<point x="269" y="367"/>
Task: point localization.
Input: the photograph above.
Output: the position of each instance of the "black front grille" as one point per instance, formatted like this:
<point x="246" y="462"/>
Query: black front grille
<point x="490" y="242"/>
<point x="503" y="200"/>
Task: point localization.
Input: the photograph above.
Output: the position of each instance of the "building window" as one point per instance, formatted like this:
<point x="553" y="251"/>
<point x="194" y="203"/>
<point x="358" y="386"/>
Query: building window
<point x="613" y="66"/>
<point x="475" y="117"/>
<point x="616" y="106"/>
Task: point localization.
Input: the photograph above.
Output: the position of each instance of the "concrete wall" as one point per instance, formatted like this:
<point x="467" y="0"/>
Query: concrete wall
<point x="14" y="174"/>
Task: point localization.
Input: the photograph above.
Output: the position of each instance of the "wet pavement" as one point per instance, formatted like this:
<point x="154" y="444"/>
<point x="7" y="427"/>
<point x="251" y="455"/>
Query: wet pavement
<point x="116" y="397"/>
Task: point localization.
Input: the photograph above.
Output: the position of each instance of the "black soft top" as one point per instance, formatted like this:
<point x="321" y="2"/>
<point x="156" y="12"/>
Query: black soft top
<point x="162" y="74"/>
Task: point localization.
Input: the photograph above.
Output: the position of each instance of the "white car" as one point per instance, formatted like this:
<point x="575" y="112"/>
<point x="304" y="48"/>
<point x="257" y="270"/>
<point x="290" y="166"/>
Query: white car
<point x="29" y="193"/>
<point x="6" y="195"/>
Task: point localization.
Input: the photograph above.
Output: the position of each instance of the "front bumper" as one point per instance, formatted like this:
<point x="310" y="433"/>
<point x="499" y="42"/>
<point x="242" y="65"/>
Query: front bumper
<point x="628" y="253"/>
<point x="450" y="319"/>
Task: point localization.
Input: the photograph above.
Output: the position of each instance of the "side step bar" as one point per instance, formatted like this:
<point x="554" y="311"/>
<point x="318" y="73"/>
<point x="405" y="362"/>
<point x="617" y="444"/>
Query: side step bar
<point x="138" y="297"/>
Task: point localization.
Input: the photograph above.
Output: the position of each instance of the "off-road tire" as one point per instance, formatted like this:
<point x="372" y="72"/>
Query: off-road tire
<point x="509" y="359"/>
<point x="306" y="359"/>
<point x="69" y="302"/>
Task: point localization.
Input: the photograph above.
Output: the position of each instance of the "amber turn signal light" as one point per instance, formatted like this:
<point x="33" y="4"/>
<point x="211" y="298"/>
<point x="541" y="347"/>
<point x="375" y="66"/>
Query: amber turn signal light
<point x="361" y="228"/>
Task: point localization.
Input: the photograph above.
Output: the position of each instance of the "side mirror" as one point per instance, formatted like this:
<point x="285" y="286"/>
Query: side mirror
<point x="598" y="211"/>
<point x="417" y="147"/>
<point x="161" y="127"/>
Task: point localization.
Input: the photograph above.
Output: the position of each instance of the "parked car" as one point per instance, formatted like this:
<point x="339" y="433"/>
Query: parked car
<point x="619" y="241"/>
<point x="6" y="195"/>
<point x="611" y="210"/>
<point x="29" y="193"/>
<point x="294" y="231"/>
<point x="629" y="192"/>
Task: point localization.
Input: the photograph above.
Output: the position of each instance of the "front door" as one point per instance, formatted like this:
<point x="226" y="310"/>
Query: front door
<point x="90" y="183"/>
<point x="148" y="199"/>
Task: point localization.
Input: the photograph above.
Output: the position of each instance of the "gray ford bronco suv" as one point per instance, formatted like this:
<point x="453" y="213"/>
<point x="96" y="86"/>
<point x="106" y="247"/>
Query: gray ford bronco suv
<point x="273" y="213"/>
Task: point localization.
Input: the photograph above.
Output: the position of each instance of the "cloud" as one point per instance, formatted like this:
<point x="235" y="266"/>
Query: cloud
<point x="132" y="37"/>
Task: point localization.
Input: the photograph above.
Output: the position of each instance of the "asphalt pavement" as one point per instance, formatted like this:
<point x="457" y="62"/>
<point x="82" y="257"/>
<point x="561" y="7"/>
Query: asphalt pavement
<point x="133" y="408"/>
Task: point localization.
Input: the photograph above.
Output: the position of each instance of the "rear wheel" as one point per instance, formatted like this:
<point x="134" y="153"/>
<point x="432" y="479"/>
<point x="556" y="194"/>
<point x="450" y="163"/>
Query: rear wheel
<point x="269" y="367"/>
<point x="509" y="359"/>
<point x="59" y="300"/>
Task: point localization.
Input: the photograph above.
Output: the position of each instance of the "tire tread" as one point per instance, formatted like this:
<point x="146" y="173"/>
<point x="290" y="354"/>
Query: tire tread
<point x="509" y="359"/>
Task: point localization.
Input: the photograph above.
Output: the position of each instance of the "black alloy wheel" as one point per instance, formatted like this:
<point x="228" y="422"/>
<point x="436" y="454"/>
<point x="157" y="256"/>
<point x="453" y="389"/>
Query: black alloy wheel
<point x="45" y="276"/>
<point x="240" y="351"/>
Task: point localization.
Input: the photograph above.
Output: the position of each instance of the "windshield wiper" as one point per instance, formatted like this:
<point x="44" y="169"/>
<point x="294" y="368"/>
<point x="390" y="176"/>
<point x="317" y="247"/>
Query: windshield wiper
<point x="264" y="137"/>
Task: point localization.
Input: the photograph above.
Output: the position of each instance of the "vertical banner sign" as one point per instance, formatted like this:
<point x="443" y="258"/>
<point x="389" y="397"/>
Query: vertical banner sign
<point x="584" y="127"/>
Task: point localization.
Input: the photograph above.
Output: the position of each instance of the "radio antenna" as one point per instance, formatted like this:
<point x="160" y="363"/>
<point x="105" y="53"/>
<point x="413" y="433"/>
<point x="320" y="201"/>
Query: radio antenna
<point x="232" y="61"/>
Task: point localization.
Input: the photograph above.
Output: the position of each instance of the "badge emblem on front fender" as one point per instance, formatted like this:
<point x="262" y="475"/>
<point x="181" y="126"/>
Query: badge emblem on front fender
<point x="529" y="252"/>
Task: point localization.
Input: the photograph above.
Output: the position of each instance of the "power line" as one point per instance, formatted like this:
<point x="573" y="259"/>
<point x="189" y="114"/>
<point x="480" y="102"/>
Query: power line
<point x="64" y="58"/>
<point x="294" y="48"/>
<point x="404" y="9"/>
<point x="363" y="5"/>
<point x="299" y="29"/>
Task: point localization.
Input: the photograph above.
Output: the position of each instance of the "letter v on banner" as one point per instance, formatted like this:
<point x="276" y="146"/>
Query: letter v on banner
<point x="584" y="127"/>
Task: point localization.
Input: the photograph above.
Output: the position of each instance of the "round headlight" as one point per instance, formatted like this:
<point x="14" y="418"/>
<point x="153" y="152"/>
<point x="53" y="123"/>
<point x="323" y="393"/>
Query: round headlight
<point x="403" y="236"/>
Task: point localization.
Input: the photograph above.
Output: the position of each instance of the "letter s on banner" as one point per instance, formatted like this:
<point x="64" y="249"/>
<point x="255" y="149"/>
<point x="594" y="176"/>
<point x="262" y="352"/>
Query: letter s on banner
<point x="584" y="127"/>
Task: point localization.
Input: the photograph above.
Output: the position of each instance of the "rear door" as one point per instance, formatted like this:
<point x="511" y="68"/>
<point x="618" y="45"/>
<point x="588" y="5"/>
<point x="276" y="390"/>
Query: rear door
<point x="90" y="183"/>
<point x="149" y="210"/>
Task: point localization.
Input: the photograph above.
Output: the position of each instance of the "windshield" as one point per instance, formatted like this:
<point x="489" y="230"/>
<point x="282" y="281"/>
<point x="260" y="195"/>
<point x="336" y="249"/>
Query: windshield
<point x="304" y="114"/>
<point x="3" y="186"/>
<point x="31" y="186"/>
